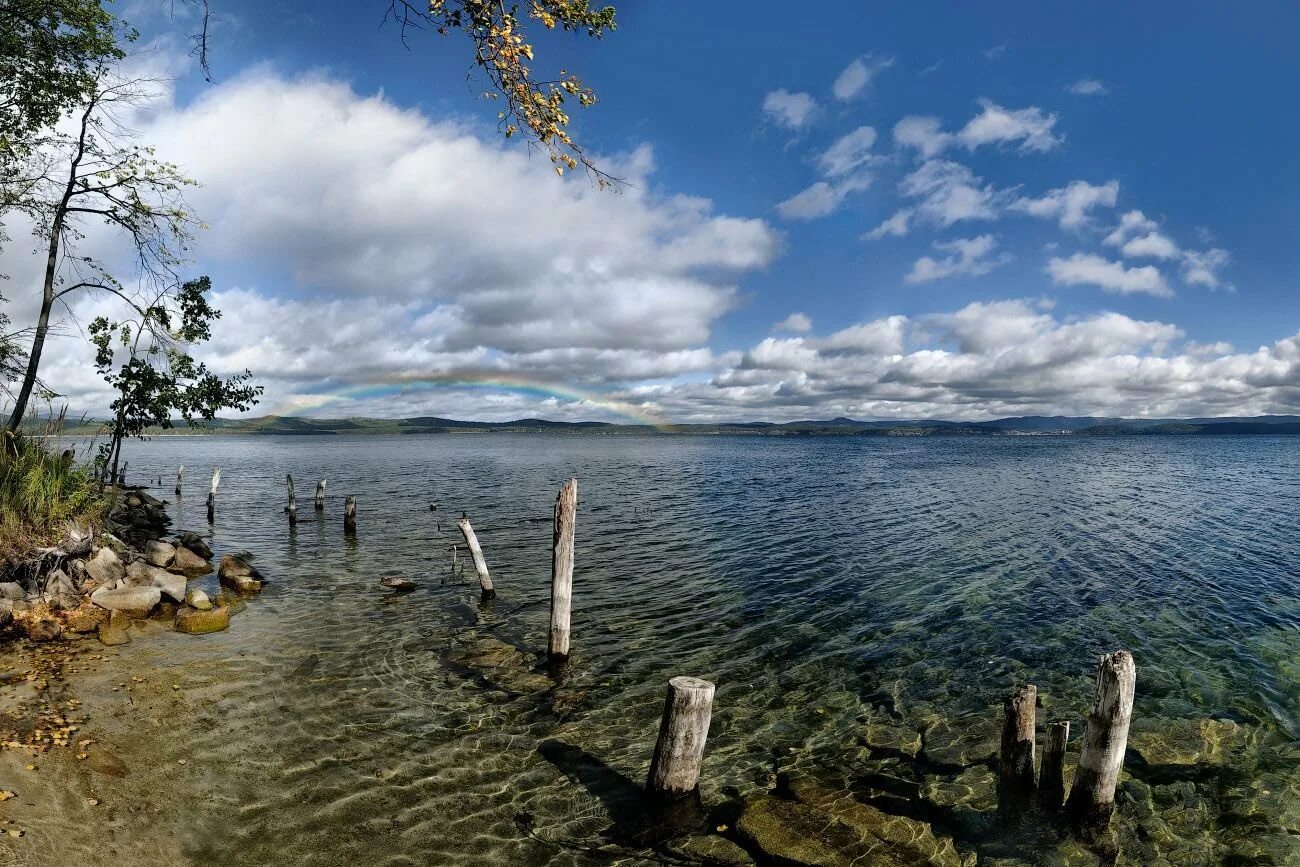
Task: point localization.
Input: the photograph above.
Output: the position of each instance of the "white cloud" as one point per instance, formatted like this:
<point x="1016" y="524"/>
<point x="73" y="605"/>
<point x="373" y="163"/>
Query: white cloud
<point x="822" y="198"/>
<point x="923" y="133"/>
<point x="790" y="110"/>
<point x="949" y="192"/>
<point x="1031" y="127"/>
<point x="1090" y="269"/>
<point x="1088" y="87"/>
<point x="1139" y="237"/>
<point x="1130" y="224"/>
<point x="848" y="152"/>
<point x="1069" y="205"/>
<point x="857" y="76"/>
<point x="968" y="257"/>
<point x="1152" y="244"/>
<point x="797" y="323"/>
<point x="896" y="226"/>
<point x="996" y="51"/>
<point x="1200" y="268"/>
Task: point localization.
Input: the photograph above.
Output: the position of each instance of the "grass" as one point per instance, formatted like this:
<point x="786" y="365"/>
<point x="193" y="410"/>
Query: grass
<point x="39" y="493"/>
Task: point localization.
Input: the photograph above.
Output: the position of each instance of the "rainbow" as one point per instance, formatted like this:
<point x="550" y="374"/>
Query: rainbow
<point x="414" y="383"/>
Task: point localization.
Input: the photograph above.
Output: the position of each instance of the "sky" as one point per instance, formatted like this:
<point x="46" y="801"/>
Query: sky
<point x="889" y="210"/>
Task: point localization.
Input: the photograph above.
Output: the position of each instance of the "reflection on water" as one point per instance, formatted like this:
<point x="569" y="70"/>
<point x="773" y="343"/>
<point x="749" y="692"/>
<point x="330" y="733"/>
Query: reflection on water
<point x="825" y="585"/>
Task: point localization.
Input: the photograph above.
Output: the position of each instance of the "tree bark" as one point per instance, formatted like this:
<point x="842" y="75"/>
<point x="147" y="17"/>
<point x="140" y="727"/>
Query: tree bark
<point x="1051" y="774"/>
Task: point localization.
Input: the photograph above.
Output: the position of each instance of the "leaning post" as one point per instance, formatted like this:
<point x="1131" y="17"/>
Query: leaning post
<point x="476" y="552"/>
<point x="350" y="516"/>
<point x="683" y="729"/>
<point x="1016" y="757"/>
<point x="566" y="516"/>
<point x="1105" y="737"/>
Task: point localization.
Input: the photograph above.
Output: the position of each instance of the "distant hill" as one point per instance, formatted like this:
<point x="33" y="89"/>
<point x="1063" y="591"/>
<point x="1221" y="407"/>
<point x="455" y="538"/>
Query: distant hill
<point x="273" y="425"/>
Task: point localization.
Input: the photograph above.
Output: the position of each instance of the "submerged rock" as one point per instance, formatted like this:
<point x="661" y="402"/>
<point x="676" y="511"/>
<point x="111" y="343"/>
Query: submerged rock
<point x="709" y="849"/>
<point x="112" y="636"/>
<point x="886" y="735"/>
<point x="84" y="618"/>
<point x="159" y="553"/>
<point x="959" y="743"/>
<point x="194" y="621"/>
<point x="401" y="585"/>
<point x="238" y="574"/>
<point x="1189" y="742"/>
<point x="805" y="823"/>
<point x="134" y="602"/>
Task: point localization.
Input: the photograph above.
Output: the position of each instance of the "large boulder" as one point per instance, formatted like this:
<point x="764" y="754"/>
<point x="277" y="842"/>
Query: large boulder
<point x="195" y="543"/>
<point x="108" y="540"/>
<point x="238" y="574"/>
<point x="12" y="591"/>
<point x="159" y="553"/>
<point x="172" y="586"/>
<point x="189" y="563"/>
<point x="193" y="621"/>
<point x="105" y="567"/>
<point x="134" y="602"/>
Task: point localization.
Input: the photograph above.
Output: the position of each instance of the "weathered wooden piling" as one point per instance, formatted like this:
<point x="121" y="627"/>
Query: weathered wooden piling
<point x="1016" y="758"/>
<point x="683" y="730"/>
<point x="566" y="517"/>
<point x="350" y="516"/>
<point x="292" y="508"/>
<point x="1051" y="772"/>
<point x="320" y="496"/>
<point x="1105" y="737"/>
<point x="475" y="552"/>
<point x="180" y="474"/>
<point x="212" y="494"/>
<point x="121" y="475"/>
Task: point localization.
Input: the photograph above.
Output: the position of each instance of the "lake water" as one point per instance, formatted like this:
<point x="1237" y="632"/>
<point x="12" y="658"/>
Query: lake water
<point x="822" y="583"/>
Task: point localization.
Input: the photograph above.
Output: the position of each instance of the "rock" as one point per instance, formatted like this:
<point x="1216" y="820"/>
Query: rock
<point x="140" y="573"/>
<point x="401" y="585"/>
<point x="118" y="619"/>
<point x="110" y="541"/>
<point x="149" y="500"/>
<point x="105" y="567"/>
<point x="172" y="586"/>
<point x="159" y="553"/>
<point x="1189" y="742"/>
<point x="112" y="636"/>
<point x="12" y="591"/>
<point x="134" y="602"/>
<point x="231" y="600"/>
<point x="166" y="610"/>
<point x="238" y="574"/>
<point x="709" y="849"/>
<point x="42" y="629"/>
<point x="196" y="543"/>
<point x="815" y="825"/>
<point x="57" y="583"/>
<point x="190" y="564"/>
<point x="6" y="612"/>
<point x="886" y="735"/>
<point x="976" y="787"/>
<point x="192" y="621"/>
<point x="196" y="598"/>
<point x="101" y="761"/>
<point x="84" y="618"/>
<point x="486" y="652"/>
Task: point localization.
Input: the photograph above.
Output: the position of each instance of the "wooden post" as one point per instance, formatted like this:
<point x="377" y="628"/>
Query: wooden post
<point x="350" y="516"/>
<point x="292" y="508"/>
<point x="566" y="517"/>
<point x="480" y="565"/>
<point x="121" y="475"/>
<point x="212" y="494"/>
<point x="683" y="729"/>
<point x="1016" y="759"/>
<point x="180" y="474"/>
<point x="1105" y="737"/>
<point x="320" y="496"/>
<point x="1051" y="775"/>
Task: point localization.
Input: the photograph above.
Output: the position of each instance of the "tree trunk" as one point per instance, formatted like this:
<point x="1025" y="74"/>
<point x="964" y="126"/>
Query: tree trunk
<point x="683" y="730"/>
<point x="38" y="345"/>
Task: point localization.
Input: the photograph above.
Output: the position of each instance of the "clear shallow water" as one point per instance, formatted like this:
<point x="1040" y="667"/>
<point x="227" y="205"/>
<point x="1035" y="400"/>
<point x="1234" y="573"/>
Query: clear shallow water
<point x="819" y="582"/>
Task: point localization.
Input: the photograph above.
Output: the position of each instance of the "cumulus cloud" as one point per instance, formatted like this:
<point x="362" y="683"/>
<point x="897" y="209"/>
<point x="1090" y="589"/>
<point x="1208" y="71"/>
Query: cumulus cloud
<point x="796" y="323"/>
<point x="1088" y="87"/>
<point x="1069" y="205"/>
<point x="969" y="257"/>
<point x="1152" y="244"/>
<point x="1140" y="237"/>
<point x="1091" y="269"/>
<point x="790" y="110"/>
<point x="1200" y="268"/>
<point x="948" y="192"/>
<point x="857" y="76"/>
<point x="1030" y="127"/>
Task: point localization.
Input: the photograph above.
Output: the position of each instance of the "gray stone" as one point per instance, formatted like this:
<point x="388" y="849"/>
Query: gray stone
<point x="105" y="567"/>
<point x="108" y="540"/>
<point x="12" y="591"/>
<point x="196" y="598"/>
<point x="196" y="543"/>
<point x="172" y="586"/>
<point x="132" y="601"/>
<point x="159" y="553"/>
<point x="190" y="564"/>
<point x="238" y="574"/>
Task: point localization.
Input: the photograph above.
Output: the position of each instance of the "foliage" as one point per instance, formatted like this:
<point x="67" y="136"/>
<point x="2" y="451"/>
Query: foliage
<point x="159" y="379"/>
<point x="50" y="51"/>
<point x="534" y="108"/>
<point x="40" y="492"/>
<point x="96" y="171"/>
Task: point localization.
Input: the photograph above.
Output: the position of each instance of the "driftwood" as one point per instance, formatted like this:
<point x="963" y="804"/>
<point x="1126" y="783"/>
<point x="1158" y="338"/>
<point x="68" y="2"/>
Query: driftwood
<point x="476" y="553"/>
<point x="683" y="730"/>
<point x="1105" y="737"/>
<point x="566" y="516"/>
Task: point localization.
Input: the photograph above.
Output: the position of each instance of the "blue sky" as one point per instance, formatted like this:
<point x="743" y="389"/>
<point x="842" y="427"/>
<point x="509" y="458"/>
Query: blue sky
<point x="1085" y="209"/>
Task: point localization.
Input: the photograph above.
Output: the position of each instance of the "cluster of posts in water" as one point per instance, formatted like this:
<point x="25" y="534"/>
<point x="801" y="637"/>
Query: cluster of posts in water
<point x="688" y="706"/>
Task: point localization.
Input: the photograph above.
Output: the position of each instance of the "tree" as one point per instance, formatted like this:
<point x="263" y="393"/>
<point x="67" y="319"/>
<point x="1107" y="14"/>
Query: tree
<point x="50" y="51"/>
<point x="159" y="379"/>
<point x="533" y="107"/>
<point x="97" y="172"/>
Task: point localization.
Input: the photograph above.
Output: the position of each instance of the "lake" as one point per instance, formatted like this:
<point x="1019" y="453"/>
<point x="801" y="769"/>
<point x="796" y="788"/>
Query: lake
<point x="827" y="585"/>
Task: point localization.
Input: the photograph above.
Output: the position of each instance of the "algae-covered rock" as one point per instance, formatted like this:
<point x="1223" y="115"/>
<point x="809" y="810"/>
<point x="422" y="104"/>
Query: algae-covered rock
<point x="882" y="733"/>
<point x="192" y="621"/>
<point x="236" y="573"/>
<point x="962" y="742"/>
<point x="976" y="788"/>
<point x="112" y="636"/>
<point x="1189" y="742"/>
<point x="196" y="598"/>
<point x="709" y="849"/>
